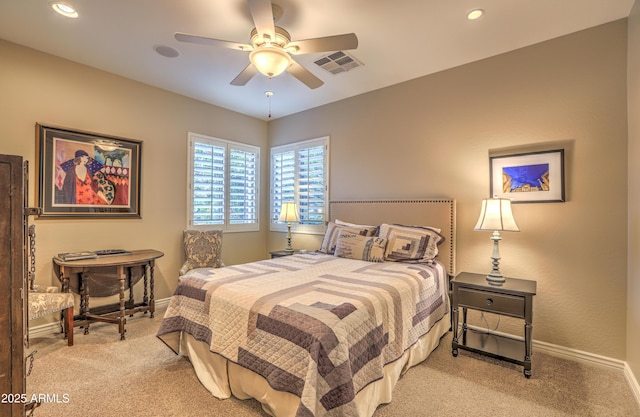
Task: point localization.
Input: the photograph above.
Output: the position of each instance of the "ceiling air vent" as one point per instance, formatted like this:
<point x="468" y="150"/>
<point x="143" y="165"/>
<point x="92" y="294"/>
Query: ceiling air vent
<point x="338" y="62"/>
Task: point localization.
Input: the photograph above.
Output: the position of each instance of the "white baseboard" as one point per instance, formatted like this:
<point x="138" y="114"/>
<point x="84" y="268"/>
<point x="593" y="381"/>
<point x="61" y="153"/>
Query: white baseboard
<point x="581" y="356"/>
<point x="578" y="355"/>
<point x="163" y="302"/>
<point x="633" y="382"/>
<point x="46" y="330"/>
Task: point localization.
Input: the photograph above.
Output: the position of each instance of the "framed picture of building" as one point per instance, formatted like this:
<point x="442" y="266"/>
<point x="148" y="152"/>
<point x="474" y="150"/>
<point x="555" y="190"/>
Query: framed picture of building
<point x="535" y="177"/>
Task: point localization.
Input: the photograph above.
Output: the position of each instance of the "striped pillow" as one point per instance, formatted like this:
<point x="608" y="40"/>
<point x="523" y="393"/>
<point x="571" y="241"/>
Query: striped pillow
<point x="354" y="246"/>
<point x="331" y="235"/>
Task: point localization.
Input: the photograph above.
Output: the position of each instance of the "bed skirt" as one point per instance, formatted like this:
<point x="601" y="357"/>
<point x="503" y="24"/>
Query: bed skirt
<point x="224" y="379"/>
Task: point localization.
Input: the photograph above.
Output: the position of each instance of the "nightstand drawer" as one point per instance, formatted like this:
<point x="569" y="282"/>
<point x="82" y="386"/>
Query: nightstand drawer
<point x="493" y="302"/>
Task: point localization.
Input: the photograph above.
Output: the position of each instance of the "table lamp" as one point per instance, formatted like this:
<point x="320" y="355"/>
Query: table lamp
<point x="496" y="216"/>
<point x="289" y="214"/>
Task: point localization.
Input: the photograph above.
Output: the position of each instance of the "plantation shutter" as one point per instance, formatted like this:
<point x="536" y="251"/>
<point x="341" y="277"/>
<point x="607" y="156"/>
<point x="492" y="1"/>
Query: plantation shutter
<point x="208" y="184"/>
<point x="284" y="180"/>
<point x="224" y="184"/>
<point x="312" y="190"/>
<point x="299" y="173"/>
<point x="243" y="187"/>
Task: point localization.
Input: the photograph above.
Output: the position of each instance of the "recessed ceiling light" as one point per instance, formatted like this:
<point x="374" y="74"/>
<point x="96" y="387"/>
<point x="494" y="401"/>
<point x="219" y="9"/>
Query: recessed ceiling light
<point x="166" y="51"/>
<point x="475" y="14"/>
<point x="64" y="9"/>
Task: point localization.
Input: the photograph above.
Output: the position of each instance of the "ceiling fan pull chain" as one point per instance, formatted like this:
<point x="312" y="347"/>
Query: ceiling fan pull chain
<point x="269" y="94"/>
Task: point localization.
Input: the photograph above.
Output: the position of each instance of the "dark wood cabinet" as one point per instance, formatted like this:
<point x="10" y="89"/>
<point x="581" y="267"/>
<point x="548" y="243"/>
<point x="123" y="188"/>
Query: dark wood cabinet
<point x="13" y="283"/>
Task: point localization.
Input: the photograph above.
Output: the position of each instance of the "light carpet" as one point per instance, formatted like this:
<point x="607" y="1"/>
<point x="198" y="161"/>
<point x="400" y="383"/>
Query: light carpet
<point x="103" y="376"/>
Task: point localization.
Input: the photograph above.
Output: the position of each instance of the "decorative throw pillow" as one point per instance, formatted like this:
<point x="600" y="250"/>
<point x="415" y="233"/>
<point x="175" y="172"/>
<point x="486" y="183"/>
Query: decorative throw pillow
<point x="410" y="243"/>
<point x="202" y="249"/>
<point x="331" y="235"/>
<point x="341" y="223"/>
<point x="354" y="246"/>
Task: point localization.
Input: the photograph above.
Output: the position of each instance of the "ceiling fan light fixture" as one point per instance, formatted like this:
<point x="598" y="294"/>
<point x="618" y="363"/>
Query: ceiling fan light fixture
<point x="270" y="60"/>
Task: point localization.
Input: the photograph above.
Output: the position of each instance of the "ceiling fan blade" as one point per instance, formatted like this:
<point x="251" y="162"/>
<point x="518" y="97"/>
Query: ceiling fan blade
<point x="185" y="37"/>
<point x="325" y="44"/>
<point x="262" y="15"/>
<point x="246" y="74"/>
<point x="303" y="74"/>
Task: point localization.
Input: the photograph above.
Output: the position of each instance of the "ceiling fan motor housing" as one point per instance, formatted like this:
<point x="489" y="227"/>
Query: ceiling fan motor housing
<point x="282" y="38"/>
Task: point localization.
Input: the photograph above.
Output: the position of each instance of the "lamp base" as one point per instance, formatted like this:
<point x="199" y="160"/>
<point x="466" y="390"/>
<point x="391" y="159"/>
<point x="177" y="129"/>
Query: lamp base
<point x="495" y="279"/>
<point x="289" y="248"/>
<point x="495" y="276"/>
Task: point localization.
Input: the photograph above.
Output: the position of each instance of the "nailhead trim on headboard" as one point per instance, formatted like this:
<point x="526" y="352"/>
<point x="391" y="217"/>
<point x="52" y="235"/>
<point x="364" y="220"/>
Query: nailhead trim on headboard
<point x="449" y="205"/>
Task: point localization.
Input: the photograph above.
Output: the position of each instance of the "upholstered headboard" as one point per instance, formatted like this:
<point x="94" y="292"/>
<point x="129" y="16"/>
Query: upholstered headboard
<point x="440" y="213"/>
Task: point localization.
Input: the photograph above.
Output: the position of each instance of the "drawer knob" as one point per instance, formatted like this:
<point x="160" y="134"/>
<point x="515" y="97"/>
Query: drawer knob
<point x="489" y="301"/>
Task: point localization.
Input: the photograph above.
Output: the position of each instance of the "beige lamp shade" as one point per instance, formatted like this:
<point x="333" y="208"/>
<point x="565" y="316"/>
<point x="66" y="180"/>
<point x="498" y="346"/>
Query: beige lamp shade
<point x="289" y="213"/>
<point x="495" y="215"/>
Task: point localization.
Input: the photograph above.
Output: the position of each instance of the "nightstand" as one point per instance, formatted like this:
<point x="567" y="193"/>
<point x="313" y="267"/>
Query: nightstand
<point x="513" y="298"/>
<point x="279" y="253"/>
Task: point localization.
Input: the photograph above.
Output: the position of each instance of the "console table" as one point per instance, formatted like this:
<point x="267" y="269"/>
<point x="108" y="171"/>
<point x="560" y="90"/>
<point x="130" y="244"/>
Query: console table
<point x="123" y="265"/>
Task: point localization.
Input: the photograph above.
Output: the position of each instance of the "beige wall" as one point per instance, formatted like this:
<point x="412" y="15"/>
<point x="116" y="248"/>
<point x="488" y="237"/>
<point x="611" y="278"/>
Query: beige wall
<point x="428" y="137"/>
<point x="41" y="88"/>
<point x="432" y="137"/>
<point x="633" y="287"/>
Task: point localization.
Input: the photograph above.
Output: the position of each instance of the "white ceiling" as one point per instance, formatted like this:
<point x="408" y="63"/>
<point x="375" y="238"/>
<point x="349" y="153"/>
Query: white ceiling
<point x="398" y="41"/>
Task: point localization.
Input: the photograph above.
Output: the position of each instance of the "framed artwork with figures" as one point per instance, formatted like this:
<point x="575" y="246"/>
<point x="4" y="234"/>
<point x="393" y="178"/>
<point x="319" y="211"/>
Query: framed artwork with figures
<point x="87" y="175"/>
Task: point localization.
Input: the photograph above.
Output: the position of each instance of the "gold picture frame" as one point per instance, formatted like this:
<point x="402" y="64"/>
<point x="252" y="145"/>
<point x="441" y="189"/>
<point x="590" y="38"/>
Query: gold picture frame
<point x="87" y="175"/>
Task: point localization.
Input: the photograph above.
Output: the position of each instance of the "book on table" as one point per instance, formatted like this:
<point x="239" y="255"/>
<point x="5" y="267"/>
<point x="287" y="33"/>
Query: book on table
<point x="75" y="256"/>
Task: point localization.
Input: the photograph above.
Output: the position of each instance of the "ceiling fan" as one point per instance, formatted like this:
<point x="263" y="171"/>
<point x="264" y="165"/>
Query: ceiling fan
<point x="271" y="46"/>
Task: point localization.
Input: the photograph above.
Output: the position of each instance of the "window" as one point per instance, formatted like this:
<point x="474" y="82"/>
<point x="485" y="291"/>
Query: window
<point x="300" y="173"/>
<point x="223" y="184"/>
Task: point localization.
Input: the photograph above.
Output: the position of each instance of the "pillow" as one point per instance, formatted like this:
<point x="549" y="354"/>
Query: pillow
<point x="331" y="235"/>
<point x="410" y="243"/>
<point x="354" y="246"/>
<point x="202" y="249"/>
<point x="341" y="223"/>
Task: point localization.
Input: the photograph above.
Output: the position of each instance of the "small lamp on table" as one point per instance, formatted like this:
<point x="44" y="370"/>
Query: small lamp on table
<point x="496" y="216"/>
<point x="289" y="214"/>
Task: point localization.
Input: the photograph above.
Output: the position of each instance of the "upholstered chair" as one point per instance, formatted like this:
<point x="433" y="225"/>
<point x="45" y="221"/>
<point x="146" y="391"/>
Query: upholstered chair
<point x="202" y="249"/>
<point x="45" y="300"/>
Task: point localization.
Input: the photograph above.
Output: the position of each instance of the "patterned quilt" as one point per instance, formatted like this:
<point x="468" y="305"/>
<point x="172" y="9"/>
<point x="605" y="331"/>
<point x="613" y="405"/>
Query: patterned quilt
<point x="315" y="325"/>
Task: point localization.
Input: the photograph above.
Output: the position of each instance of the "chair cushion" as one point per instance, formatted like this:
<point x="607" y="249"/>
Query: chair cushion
<point x="202" y="249"/>
<point x="44" y="303"/>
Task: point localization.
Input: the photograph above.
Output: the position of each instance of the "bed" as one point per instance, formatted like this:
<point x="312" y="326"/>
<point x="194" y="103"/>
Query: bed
<point x="325" y="333"/>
